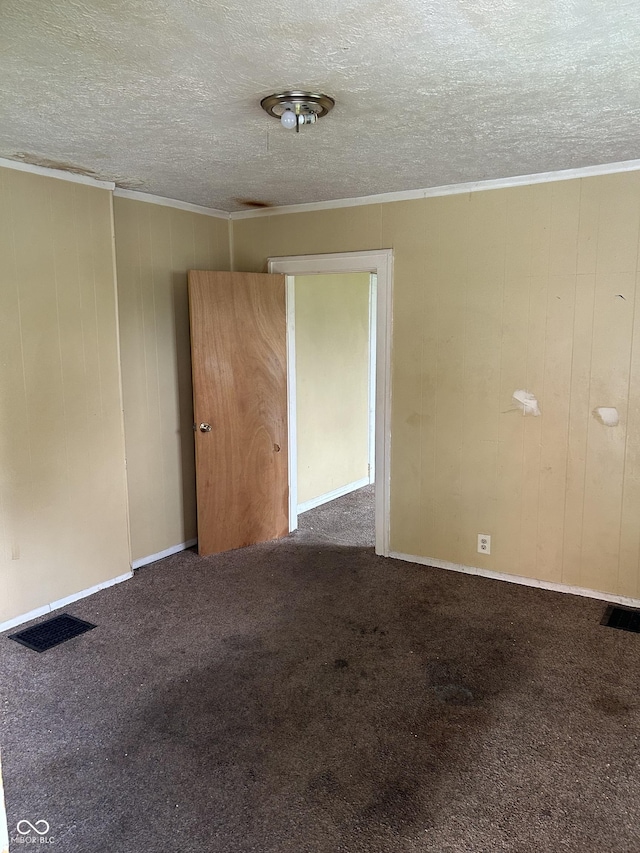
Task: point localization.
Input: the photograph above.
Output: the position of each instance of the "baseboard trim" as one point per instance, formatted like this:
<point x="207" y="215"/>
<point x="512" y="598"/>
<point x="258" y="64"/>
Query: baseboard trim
<point x="62" y="602"/>
<point x="331" y="496"/>
<point x="152" y="558"/>
<point x="518" y="579"/>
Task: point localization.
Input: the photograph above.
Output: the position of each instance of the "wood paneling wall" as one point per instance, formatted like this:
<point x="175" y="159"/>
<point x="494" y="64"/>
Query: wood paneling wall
<point x="63" y="523"/>
<point x="529" y="287"/>
<point x="155" y="246"/>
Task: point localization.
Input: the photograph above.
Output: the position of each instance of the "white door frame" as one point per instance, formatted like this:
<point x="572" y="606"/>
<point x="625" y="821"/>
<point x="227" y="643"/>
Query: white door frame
<point x="380" y="262"/>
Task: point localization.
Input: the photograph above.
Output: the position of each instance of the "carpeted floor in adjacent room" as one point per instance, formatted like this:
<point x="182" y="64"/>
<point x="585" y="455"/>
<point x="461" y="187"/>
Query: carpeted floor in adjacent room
<point x="306" y="696"/>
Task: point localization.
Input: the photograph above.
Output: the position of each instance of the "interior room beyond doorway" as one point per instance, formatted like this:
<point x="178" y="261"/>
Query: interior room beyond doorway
<point x="334" y="320"/>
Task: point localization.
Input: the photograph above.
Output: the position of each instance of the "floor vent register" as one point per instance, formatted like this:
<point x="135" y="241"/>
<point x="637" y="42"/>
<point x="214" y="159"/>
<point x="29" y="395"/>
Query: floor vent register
<point x="52" y="632"/>
<point x="624" y="618"/>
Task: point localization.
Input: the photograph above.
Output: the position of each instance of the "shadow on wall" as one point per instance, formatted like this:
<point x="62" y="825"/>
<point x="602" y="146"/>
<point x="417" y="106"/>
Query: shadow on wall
<point x="187" y="471"/>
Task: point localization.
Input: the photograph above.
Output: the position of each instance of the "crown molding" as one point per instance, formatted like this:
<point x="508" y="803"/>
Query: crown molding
<point x="60" y="174"/>
<point x="450" y="189"/>
<point x="333" y="204"/>
<point x="135" y="195"/>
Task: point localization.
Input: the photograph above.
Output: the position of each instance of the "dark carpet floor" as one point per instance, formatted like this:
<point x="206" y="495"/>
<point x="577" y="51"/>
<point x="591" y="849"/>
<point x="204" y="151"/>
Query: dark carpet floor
<point x="347" y="521"/>
<point x="308" y="696"/>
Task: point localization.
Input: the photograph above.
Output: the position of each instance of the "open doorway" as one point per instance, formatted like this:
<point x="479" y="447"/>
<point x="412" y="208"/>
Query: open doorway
<point x="378" y="267"/>
<point x="333" y="368"/>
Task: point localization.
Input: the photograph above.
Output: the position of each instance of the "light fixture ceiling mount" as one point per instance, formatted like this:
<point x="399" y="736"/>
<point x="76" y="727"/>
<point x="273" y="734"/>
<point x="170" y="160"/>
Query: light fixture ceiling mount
<point x="297" y="108"/>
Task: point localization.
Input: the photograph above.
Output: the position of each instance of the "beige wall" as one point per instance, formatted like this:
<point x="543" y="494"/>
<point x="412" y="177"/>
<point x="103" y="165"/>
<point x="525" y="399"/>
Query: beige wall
<point x="155" y="246"/>
<point x="63" y="523"/>
<point x="530" y="287"/>
<point x="332" y="381"/>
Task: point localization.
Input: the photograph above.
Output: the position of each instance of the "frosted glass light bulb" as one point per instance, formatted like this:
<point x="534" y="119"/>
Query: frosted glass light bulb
<point x="289" y="119"/>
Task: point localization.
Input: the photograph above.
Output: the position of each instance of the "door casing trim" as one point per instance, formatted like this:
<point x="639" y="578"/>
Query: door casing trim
<point x="380" y="262"/>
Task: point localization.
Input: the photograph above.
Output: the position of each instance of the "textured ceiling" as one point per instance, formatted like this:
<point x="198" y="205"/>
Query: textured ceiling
<point x="163" y="96"/>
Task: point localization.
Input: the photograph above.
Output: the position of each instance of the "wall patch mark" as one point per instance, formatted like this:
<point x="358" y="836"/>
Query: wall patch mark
<point x="607" y="415"/>
<point x="527" y="402"/>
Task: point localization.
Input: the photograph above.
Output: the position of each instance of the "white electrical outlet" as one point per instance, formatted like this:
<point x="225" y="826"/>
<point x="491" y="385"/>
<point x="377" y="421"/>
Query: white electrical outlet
<point x="484" y="543"/>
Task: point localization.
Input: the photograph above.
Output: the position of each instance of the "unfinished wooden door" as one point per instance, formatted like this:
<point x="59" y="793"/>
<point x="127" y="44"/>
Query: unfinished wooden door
<point x="239" y="368"/>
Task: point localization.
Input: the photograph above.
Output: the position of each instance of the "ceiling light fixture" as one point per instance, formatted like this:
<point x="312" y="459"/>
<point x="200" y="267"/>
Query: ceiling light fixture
<point x="297" y="108"/>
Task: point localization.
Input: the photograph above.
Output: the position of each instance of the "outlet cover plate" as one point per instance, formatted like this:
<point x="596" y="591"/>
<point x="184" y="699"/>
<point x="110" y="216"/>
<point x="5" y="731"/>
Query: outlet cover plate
<point x="484" y="543"/>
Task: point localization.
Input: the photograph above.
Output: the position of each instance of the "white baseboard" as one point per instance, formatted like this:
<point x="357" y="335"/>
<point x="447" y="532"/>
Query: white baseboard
<point x="175" y="549"/>
<point x="56" y="605"/>
<point x="331" y="496"/>
<point x="523" y="581"/>
<point x="62" y="602"/>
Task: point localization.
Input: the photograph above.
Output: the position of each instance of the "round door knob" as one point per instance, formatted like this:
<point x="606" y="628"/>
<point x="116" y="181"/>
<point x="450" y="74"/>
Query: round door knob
<point x="205" y="427"/>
